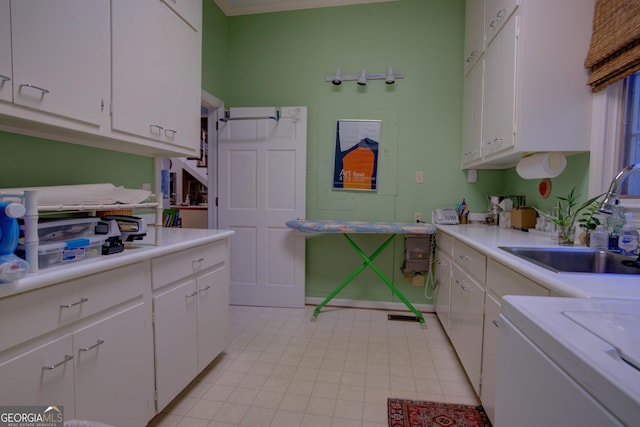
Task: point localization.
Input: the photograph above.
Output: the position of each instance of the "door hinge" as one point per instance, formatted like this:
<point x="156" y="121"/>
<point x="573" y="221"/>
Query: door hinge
<point x="217" y="126"/>
<point x="216" y="202"/>
<point x="102" y="106"/>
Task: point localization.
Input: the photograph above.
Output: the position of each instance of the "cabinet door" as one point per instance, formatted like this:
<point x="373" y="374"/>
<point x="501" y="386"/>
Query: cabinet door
<point x="472" y="115"/>
<point x="467" y="314"/>
<point x="156" y="74"/>
<point x="442" y="294"/>
<point x="114" y="373"/>
<point x="61" y="57"/>
<point x="490" y="356"/>
<point x="41" y="376"/>
<point x="473" y="33"/>
<point x="6" y="72"/>
<point x="174" y="314"/>
<point x="499" y="97"/>
<point x="213" y="315"/>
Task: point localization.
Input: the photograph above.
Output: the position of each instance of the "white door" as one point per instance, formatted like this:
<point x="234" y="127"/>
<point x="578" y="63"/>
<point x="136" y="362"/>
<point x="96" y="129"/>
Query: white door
<point x="262" y="182"/>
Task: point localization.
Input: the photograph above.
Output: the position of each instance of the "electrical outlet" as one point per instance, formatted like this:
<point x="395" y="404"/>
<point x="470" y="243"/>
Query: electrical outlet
<point x="417" y="216"/>
<point x="146" y="186"/>
<point x="419" y="177"/>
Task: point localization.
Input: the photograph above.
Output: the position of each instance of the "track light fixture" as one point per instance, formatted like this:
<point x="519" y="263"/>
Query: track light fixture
<point x="389" y="77"/>
<point x="362" y="80"/>
<point x="337" y="78"/>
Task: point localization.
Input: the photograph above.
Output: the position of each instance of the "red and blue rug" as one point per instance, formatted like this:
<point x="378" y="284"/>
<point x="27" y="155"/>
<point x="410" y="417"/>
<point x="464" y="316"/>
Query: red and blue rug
<point x="417" y="413"/>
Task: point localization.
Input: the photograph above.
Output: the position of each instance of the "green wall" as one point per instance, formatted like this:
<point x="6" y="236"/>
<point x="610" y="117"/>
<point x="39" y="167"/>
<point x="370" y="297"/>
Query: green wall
<point x="283" y="59"/>
<point x="30" y="162"/>
<point x="576" y="175"/>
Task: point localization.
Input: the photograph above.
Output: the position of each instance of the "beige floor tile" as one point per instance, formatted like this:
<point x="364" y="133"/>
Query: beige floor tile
<point x="294" y="402"/>
<point x="282" y="370"/>
<point x="258" y="417"/>
<point x="284" y="418"/>
<point x="349" y="410"/>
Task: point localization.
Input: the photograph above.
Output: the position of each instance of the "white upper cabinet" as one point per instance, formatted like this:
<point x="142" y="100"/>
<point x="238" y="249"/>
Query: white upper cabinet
<point x="60" y="55"/>
<point x="534" y="92"/>
<point x="498" y="106"/>
<point x="6" y="72"/>
<point x="472" y="115"/>
<point x="189" y="10"/>
<point x="156" y="71"/>
<point x="474" y="33"/>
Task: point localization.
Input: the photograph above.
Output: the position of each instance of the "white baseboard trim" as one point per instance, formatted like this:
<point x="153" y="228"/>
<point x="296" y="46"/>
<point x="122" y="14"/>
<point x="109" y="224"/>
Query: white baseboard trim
<point x="378" y="305"/>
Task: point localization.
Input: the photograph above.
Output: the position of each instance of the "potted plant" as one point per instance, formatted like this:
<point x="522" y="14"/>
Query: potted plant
<point x="567" y="213"/>
<point x="588" y="220"/>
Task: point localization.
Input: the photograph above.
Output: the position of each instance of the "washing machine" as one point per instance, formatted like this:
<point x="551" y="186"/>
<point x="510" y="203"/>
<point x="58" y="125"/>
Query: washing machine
<point x="570" y="362"/>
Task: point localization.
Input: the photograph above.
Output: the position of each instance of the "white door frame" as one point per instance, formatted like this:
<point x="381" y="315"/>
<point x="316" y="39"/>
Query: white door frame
<point x="215" y="106"/>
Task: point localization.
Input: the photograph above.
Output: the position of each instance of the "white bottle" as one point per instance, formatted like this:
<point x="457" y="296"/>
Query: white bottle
<point x="628" y="239"/>
<point x="599" y="238"/>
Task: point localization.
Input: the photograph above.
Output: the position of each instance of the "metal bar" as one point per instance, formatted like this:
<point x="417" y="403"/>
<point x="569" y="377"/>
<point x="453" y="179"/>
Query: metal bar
<point x="227" y="117"/>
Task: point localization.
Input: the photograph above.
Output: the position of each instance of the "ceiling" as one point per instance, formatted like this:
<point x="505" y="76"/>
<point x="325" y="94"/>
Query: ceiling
<point x="246" y="7"/>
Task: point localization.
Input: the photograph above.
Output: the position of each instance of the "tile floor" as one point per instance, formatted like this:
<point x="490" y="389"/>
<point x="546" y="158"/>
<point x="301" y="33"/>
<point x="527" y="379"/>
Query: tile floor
<point x="281" y="369"/>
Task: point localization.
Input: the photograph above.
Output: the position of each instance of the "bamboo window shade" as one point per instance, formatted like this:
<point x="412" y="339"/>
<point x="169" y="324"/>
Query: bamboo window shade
<point x="614" y="52"/>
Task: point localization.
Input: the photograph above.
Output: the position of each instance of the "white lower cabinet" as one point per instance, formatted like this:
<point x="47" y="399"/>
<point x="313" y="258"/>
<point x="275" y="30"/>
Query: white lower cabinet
<point x="40" y="376"/>
<point x="467" y="311"/>
<point x="490" y="356"/>
<point x="501" y="281"/>
<point x="213" y="315"/>
<point x="117" y="346"/>
<point x="96" y="361"/>
<point x="442" y="294"/>
<point x="113" y="373"/>
<point x="175" y="333"/>
<point x="467" y="302"/>
<point x="191" y="315"/>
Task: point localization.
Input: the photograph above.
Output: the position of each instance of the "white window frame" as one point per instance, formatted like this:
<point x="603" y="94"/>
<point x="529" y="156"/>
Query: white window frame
<point x="606" y="140"/>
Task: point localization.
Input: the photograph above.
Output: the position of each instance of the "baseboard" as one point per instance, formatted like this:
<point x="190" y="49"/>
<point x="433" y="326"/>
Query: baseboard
<point x="376" y="305"/>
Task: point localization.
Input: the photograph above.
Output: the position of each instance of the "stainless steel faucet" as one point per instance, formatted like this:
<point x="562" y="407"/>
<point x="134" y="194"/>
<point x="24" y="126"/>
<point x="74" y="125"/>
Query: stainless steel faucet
<point x="612" y="194"/>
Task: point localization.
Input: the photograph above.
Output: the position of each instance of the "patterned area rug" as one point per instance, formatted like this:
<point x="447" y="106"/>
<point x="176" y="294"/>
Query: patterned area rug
<point x="416" y="413"/>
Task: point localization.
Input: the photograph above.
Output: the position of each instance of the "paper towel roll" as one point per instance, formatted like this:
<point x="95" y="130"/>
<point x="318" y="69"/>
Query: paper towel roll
<point x="541" y="165"/>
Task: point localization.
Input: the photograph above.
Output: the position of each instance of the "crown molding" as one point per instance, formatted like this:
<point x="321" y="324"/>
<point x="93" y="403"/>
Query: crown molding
<point x="232" y="8"/>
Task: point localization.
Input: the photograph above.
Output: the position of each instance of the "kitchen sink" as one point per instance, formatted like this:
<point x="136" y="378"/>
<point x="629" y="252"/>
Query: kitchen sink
<point x="576" y="260"/>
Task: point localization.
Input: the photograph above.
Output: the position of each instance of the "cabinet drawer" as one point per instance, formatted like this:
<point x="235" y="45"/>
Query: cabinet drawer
<point x="503" y="281"/>
<point x="444" y="242"/>
<point x="471" y="260"/>
<point x="43" y="310"/>
<point x="169" y="268"/>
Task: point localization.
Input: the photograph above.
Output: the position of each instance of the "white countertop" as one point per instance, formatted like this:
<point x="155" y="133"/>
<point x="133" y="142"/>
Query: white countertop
<point x="168" y="240"/>
<point x="488" y="239"/>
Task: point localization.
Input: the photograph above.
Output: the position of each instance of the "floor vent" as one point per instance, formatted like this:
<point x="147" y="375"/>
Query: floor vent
<point x="402" y="317"/>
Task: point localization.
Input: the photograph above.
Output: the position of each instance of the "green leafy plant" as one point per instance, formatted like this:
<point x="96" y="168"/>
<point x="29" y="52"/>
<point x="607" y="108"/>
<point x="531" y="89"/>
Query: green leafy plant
<point x="568" y="210"/>
<point x="588" y="220"/>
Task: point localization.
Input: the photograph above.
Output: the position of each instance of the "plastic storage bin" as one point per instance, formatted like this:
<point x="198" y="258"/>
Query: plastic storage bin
<point x="56" y="253"/>
<point x="64" y="229"/>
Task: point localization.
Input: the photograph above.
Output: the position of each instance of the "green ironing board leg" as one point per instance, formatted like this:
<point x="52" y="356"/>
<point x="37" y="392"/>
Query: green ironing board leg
<point x="368" y="261"/>
<point x="357" y="271"/>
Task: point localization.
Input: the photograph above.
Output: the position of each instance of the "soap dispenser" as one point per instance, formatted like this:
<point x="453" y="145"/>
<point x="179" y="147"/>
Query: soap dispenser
<point x="628" y="239"/>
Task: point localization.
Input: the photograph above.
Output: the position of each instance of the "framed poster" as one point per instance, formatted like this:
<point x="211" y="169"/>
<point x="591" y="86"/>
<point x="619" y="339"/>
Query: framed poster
<point x="356" y="155"/>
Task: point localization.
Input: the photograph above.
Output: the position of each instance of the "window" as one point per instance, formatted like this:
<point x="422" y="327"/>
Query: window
<point x="630" y="144"/>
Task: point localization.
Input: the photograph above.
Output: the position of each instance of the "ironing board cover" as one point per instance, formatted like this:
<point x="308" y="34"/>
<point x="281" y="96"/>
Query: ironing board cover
<point x="329" y="226"/>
